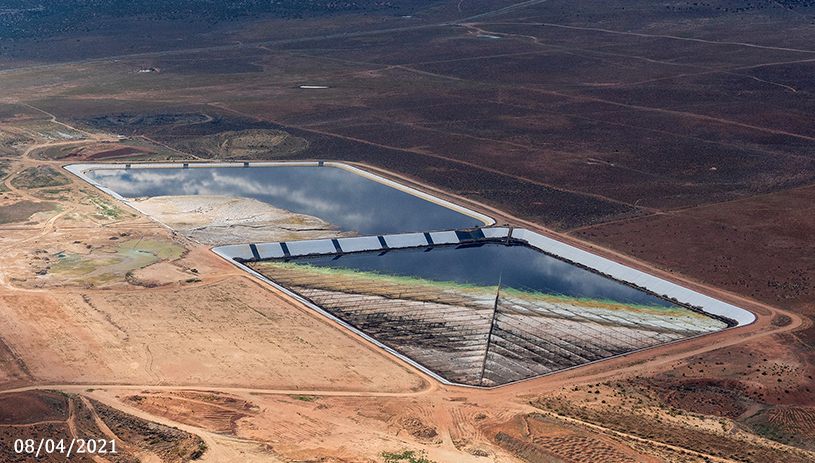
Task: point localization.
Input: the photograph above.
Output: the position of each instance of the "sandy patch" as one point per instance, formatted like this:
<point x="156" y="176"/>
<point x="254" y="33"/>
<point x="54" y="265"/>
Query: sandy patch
<point x="224" y="334"/>
<point x="160" y="274"/>
<point x="221" y="220"/>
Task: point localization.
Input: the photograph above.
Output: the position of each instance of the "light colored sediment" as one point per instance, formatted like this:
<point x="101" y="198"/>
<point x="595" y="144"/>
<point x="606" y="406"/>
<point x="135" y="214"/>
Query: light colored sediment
<point x="222" y="220"/>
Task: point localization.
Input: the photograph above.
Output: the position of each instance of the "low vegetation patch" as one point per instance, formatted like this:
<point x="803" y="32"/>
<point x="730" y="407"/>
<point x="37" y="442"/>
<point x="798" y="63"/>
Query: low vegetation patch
<point x="170" y="444"/>
<point x="9" y="143"/>
<point x="788" y="425"/>
<point x="5" y="167"/>
<point x="245" y="144"/>
<point x="407" y="456"/>
<point x="39" y="177"/>
<point x="57" y="152"/>
<point x="57" y="194"/>
<point x="21" y="211"/>
<point x="106" y="209"/>
<point x="644" y="421"/>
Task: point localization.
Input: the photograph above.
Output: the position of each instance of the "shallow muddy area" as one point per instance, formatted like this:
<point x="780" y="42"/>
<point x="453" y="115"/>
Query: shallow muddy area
<point x="76" y="264"/>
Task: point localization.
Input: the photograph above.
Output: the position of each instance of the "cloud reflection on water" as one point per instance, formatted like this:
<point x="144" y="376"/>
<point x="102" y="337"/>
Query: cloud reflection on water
<point x="348" y="200"/>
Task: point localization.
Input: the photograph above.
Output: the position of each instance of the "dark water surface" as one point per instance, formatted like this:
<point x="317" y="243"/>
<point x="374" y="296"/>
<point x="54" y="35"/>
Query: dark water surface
<point x="516" y="267"/>
<point x="348" y="200"/>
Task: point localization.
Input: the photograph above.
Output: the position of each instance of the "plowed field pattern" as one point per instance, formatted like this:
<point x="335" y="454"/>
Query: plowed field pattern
<point x="583" y="449"/>
<point x="798" y="421"/>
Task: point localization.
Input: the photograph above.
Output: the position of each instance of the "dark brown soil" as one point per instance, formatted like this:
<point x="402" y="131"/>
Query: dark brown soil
<point x="759" y="247"/>
<point x="172" y="445"/>
<point x="706" y="396"/>
<point x="789" y="425"/>
<point x="117" y="153"/>
<point x="54" y="431"/>
<point x="32" y="407"/>
<point x="680" y="436"/>
<point x="215" y="412"/>
<point x="22" y="210"/>
<point x="538" y="439"/>
<point x="418" y="429"/>
<point x="36" y="416"/>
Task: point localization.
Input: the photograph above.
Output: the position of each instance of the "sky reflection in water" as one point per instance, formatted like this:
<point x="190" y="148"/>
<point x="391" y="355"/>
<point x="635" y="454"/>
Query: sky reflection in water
<point x="348" y="200"/>
<point x="517" y="267"/>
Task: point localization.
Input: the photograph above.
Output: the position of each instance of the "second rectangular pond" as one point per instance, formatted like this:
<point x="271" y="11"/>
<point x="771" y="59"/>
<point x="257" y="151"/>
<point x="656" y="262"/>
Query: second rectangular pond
<point x="486" y="313"/>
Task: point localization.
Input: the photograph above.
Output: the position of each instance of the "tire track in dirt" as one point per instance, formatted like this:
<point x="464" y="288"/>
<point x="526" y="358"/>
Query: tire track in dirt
<point x="674" y="112"/>
<point x="664" y="36"/>
<point x="462" y="429"/>
<point x="245" y="393"/>
<point x="671" y="112"/>
<point x="442" y="419"/>
<point x="31" y="424"/>
<point x="17" y="358"/>
<point x="148" y="365"/>
<point x="593" y="55"/>
<point x="147" y="456"/>
<point x="215" y="451"/>
<point x="601" y="430"/>
<point x="99" y="423"/>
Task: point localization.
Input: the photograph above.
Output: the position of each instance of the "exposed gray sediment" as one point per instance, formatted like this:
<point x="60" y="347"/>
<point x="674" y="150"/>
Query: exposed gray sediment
<point x="224" y="220"/>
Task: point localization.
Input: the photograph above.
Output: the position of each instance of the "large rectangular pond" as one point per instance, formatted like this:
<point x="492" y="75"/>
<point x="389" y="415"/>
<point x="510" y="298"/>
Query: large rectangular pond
<point x="348" y="198"/>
